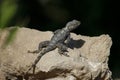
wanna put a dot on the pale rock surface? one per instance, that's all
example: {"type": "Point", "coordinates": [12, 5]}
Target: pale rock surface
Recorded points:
{"type": "Point", "coordinates": [88, 57]}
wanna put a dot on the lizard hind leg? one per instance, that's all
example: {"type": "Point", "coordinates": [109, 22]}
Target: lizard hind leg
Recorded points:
{"type": "Point", "coordinates": [62, 49]}
{"type": "Point", "coordinates": [40, 47]}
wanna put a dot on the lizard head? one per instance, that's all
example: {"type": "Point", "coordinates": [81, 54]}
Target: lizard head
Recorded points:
{"type": "Point", "coordinates": [72, 25]}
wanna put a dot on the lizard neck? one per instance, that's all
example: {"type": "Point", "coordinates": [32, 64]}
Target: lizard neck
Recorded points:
{"type": "Point", "coordinates": [66, 29]}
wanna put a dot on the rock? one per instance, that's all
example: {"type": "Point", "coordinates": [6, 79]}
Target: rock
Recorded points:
{"type": "Point", "coordinates": [88, 57]}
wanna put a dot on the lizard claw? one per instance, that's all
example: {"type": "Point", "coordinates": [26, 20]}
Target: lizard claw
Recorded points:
{"type": "Point", "coordinates": [34, 52]}
{"type": "Point", "coordinates": [64, 53]}
{"type": "Point", "coordinates": [29, 51]}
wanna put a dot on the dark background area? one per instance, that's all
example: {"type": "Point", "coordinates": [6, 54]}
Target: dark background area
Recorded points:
{"type": "Point", "coordinates": [97, 17]}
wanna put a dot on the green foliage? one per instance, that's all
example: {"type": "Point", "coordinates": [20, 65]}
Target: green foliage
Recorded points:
{"type": "Point", "coordinates": [8, 10]}
{"type": "Point", "coordinates": [11, 36]}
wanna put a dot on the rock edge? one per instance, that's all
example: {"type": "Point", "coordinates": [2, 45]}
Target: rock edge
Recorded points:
{"type": "Point", "coordinates": [88, 57]}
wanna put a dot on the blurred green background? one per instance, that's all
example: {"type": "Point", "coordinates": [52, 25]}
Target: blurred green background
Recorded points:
{"type": "Point", "coordinates": [97, 17]}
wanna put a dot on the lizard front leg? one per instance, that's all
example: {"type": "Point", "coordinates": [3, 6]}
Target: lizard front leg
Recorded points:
{"type": "Point", "coordinates": [62, 49]}
{"type": "Point", "coordinates": [68, 39]}
{"type": "Point", "coordinates": [41, 45]}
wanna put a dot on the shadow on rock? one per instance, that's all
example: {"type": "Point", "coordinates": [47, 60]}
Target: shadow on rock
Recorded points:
{"type": "Point", "coordinates": [76, 43]}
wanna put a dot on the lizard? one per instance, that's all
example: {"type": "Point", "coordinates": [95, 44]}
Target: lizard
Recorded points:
{"type": "Point", "coordinates": [58, 40]}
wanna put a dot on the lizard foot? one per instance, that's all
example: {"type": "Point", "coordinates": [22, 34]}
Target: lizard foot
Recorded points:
{"type": "Point", "coordinates": [63, 53]}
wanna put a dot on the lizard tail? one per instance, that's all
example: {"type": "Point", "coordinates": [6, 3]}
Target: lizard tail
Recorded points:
{"type": "Point", "coordinates": [44, 51]}
{"type": "Point", "coordinates": [35, 62]}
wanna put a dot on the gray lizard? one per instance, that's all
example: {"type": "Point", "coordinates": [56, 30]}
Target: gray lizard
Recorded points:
{"type": "Point", "coordinates": [60, 37]}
